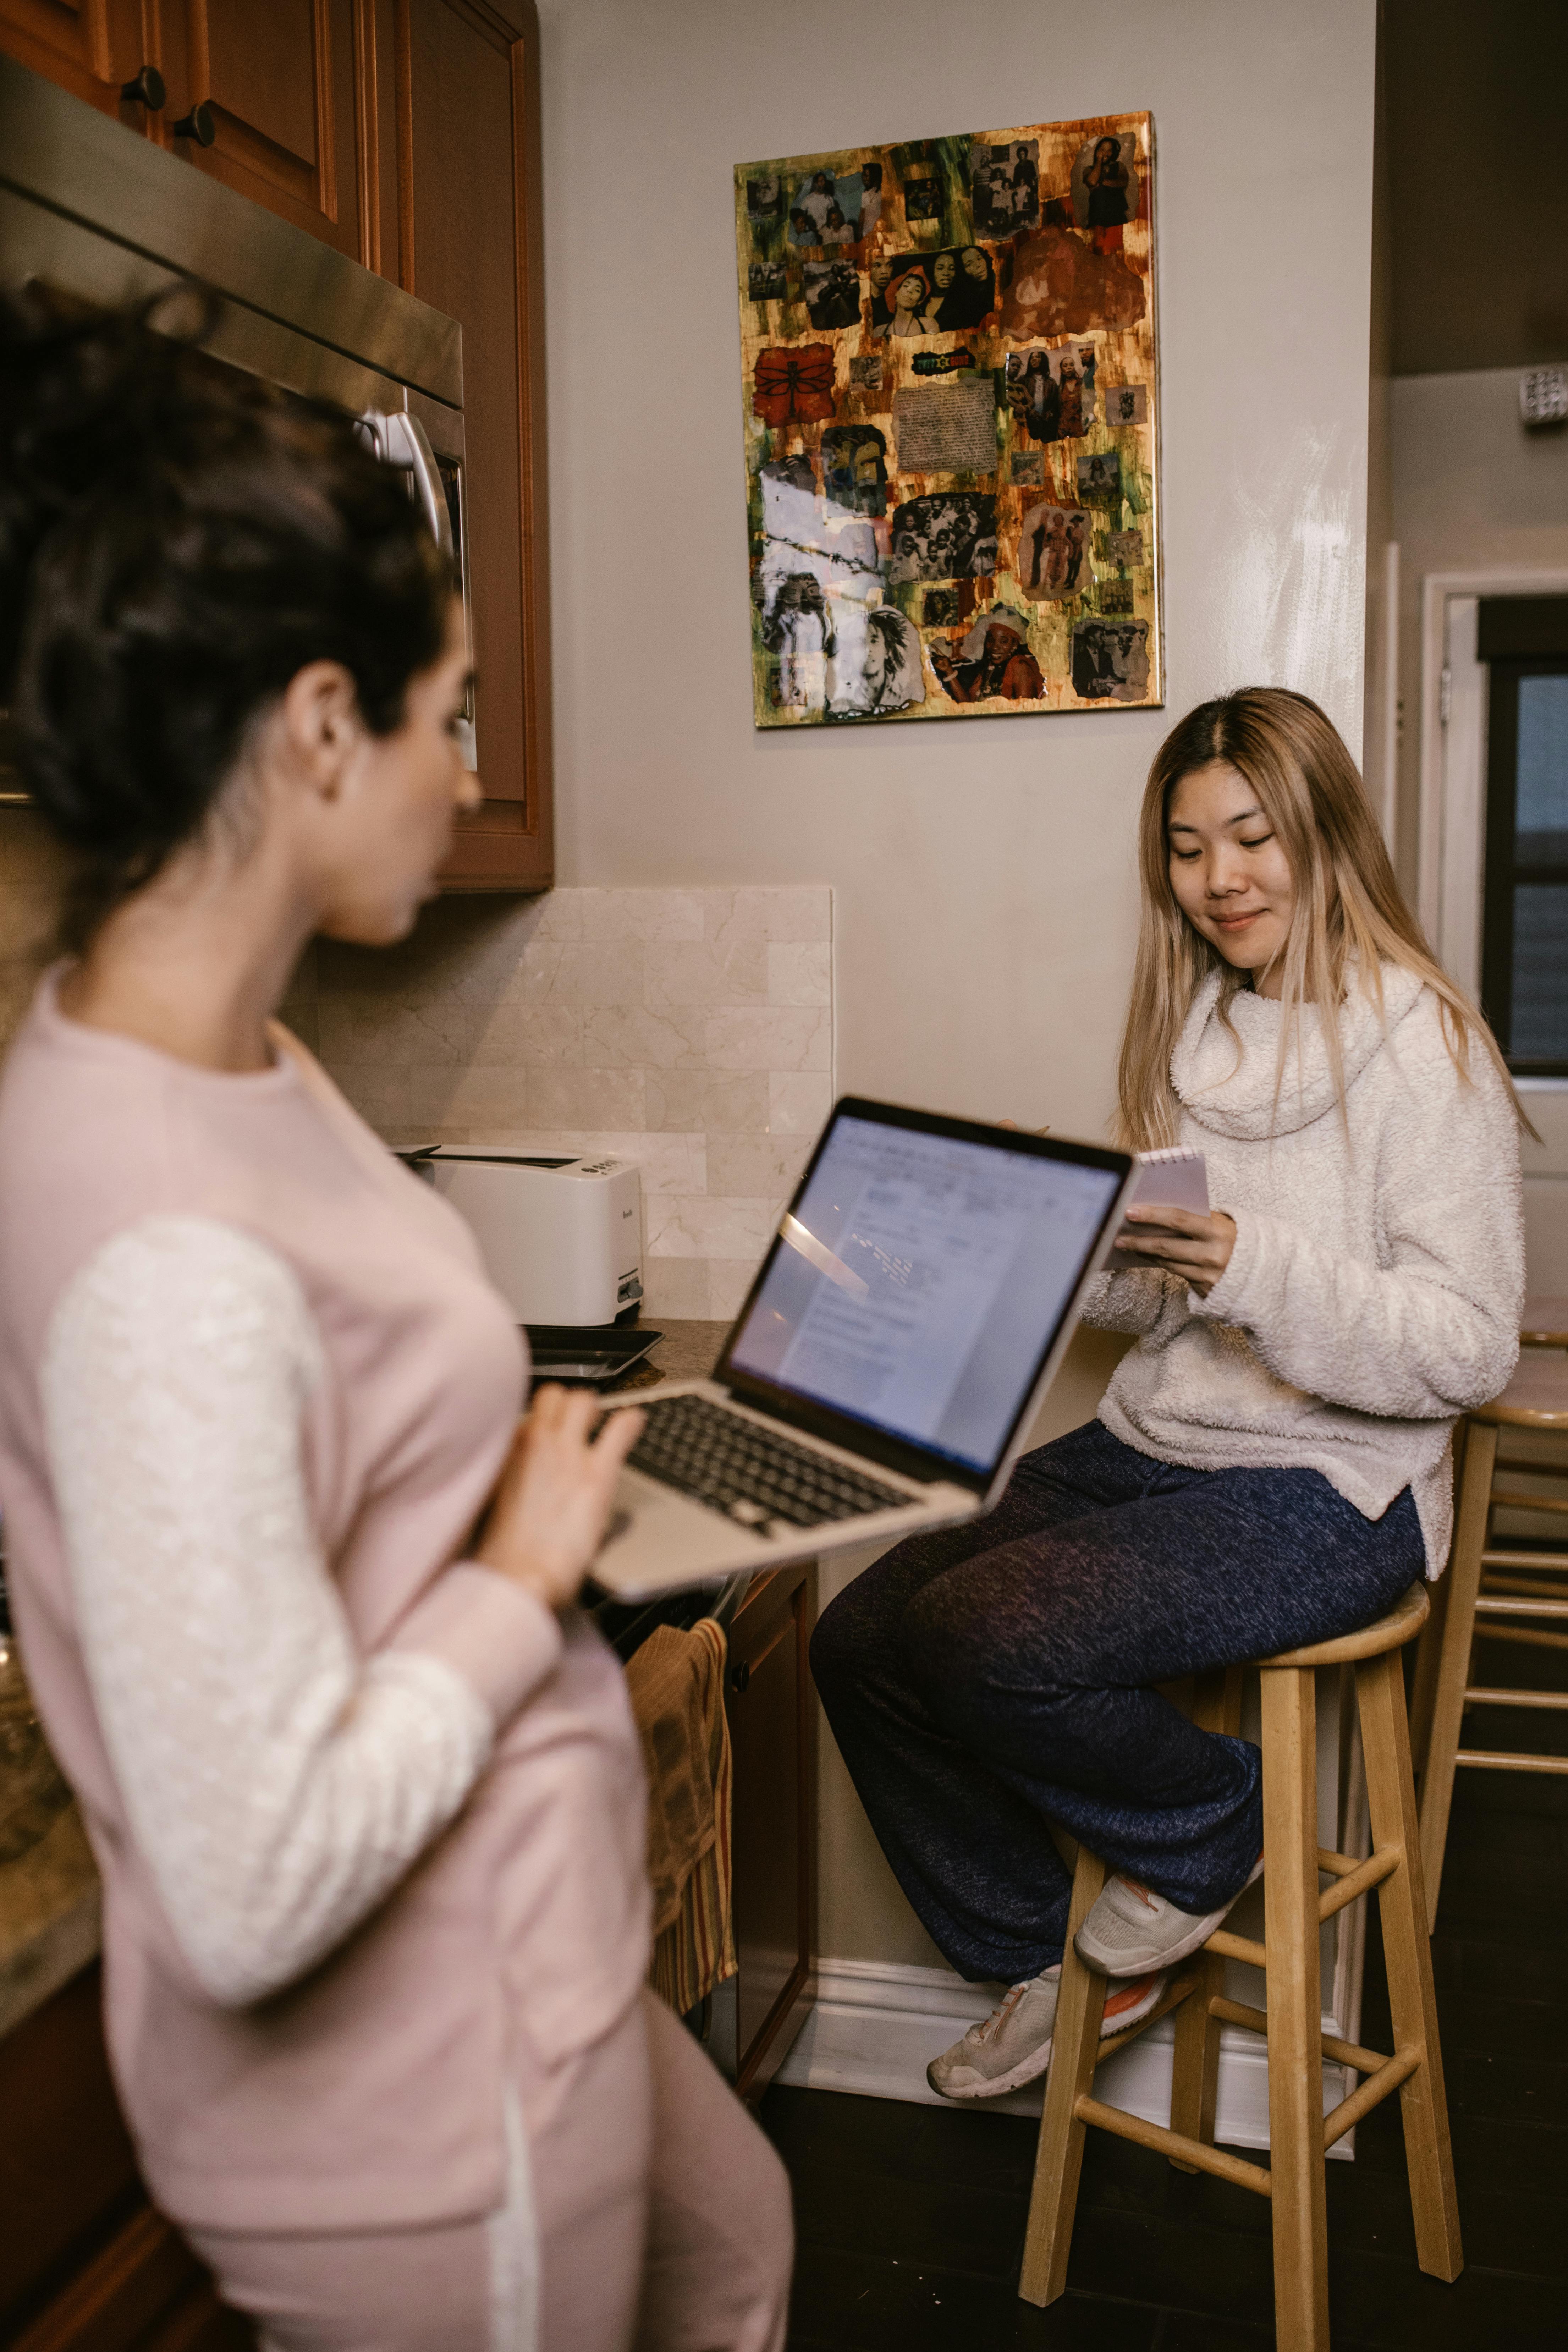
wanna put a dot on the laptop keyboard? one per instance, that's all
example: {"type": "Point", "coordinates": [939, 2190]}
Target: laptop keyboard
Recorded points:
{"type": "Point", "coordinates": [751, 1477]}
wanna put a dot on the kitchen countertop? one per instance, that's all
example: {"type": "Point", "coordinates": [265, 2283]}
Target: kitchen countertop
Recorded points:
{"type": "Point", "coordinates": [688, 1351]}
{"type": "Point", "coordinates": [49, 1898]}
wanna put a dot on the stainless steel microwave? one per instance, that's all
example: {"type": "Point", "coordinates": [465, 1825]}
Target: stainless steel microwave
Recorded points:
{"type": "Point", "coordinates": [89, 207]}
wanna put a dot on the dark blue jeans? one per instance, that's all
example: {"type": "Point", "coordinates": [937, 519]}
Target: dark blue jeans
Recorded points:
{"type": "Point", "coordinates": [982, 1679]}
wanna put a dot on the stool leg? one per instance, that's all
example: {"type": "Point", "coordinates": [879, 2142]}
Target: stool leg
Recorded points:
{"type": "Point", "coordinates": [1428, 1657]}
{"type": "Point", "coordinates": [1195, 2069]}
{"type": "Point", "coordinates": [1463, 1579]}
{"type": "Point", "coordinates": [1407, 1950]}
{"type": "Point", "coordinates": [1080, 2007]}
{"type": "Point", "coordinates": [1295, 2010]}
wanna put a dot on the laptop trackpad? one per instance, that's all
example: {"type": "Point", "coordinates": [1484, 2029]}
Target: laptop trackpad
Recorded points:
{"type": "Point", "coordinates": [658, 1541]}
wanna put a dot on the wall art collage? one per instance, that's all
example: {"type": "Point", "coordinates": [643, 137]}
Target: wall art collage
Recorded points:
{"type": "Point", "coordinates": [949, 379]}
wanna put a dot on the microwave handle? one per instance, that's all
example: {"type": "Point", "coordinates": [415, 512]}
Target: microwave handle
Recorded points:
{"type": "Point", "coordinates": [399, 439]}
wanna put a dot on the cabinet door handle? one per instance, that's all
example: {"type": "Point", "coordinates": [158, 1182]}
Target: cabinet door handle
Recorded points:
{"type": "Point", "coordinates": [197, 125]}
{"type": "Point", "coordinates": [147, 90]}
{"type": "Point", "coordinates": [739, 1675]}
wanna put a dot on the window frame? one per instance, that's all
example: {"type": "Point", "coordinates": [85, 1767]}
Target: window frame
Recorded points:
{"type": "Point", "coordinates": [1517, 638]}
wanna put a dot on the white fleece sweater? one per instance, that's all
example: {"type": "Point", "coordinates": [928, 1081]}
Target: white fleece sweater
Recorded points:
{"type": "Point", "coordinates": [1374, 1290]}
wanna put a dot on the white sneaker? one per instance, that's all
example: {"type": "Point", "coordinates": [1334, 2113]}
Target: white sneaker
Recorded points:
{"type": "Point", "coordinates": [1129, 1928]}
{"type": "Point", "coordinates": [1013, 2044]}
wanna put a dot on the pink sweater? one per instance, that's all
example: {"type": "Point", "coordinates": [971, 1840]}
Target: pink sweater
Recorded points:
{"type": "Point", "coordinates": [366, 2091]}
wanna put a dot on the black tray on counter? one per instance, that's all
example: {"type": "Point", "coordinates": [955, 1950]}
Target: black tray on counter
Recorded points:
{"type": "Point", "coordinates": [587, 1355]}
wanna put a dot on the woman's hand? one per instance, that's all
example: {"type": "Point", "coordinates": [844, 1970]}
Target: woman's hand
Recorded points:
{"type": "Point", "coordinates": [1018, 1130]}
{"type": "Point", "coordinates": [1197, 1249]}
{"type": "Point", "coordinates": [552, 1501]}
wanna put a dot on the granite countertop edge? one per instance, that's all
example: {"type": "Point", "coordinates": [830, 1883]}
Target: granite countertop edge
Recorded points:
{"type": "Point", "coordinates": [49, 1922]}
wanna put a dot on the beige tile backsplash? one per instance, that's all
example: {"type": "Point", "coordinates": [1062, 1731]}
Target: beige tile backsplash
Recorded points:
{"type": "Point", "coordinates": [688, 1030]}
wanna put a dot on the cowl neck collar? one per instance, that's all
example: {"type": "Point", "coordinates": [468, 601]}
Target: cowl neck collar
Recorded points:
{"type": "Point", "coordinates": [1231, 1091]}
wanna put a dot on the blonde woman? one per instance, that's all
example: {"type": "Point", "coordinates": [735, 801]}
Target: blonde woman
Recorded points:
{"type": "Point", "coordinates": [1270, 1464]}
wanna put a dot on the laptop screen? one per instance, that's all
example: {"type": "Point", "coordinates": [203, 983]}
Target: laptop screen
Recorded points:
{"type": "Point", "coordinates": [920, 1279]}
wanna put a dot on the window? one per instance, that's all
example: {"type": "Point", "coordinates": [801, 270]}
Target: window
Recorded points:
{"type": "Point", "coordinates": [1524, 941]}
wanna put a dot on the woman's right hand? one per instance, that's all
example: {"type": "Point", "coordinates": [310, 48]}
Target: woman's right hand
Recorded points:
{"type": "Point", "coordinates": [551, 1502]}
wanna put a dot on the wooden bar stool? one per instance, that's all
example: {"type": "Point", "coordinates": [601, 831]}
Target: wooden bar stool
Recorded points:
{"type": "Point", "coordinates": [1299, 2133]}
{"type": "Point", "coordinates": [1544, 1323]}
{"type": "Point", "coordinates": [1517, 1594]}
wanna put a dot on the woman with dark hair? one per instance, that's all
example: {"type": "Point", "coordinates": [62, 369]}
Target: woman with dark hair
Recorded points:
{"type": "Point", "coordinates": [906, 297]}
{"type": "Point", "coordinates": [944, 272]}
{"type": "Point", "coordinates": [297, 1594]}
{"type": "Point", "coordinates": [880, 275]}
{"type": "Point", "coordinates": [973, 289]}
{"type": "Point", "coordinates": [1271, 1464]}
{"type": "Point", "coordinates": [1107, 182]}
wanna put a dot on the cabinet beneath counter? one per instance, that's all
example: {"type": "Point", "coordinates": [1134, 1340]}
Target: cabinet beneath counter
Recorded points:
{"type": "Point", "coordinates": [771, 1707]}
{"type": "Point", "coordinates": [87, 2265]}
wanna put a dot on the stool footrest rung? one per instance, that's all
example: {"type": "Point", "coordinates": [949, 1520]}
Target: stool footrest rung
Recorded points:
{"type": "Point", "coordinates": [1345, 2053]}
{"type": "Point", "coordinates": [1494, 1759]}
{"type": "Point", "coordinates": [1530, 1634]}
{"type": "Point", "coordinates": [1551, 1587]}
{"type": "Point", "coordinates": [1236, 1948]}
{"type": "Point", "coordinates": [1357, 1882]}
{"type": "Point", "coordinates": [1371, 2094]}
{"type": "Point", "coordinates": [1169, 2143]}
{"type": "Point", "coordinates": [1513, 1499]}
{"type": "Point", "coordinates": [1495, 1558]}
{"type": "Point", "coordinates": [1478, 1695]}
{"type": "Point", "coordinates": [1494, 1604]}
{"type": "Point", "coordinates": [1175, 1992]}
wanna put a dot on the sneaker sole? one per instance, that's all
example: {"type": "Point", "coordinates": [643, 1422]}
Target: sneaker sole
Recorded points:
{"type": "Point", "coordinates": [1029, 2069]}
{"type": "Point", "coordinates": [1120, 1964]}
{"type": "Point", "coordinates": [1025, 2072]}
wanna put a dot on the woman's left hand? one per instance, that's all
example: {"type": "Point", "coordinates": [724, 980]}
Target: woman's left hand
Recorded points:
{"type": "Point", "coordinates": [1195, 1249]}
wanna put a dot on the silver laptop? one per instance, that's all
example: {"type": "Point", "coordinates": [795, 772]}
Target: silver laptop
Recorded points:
{"type": "Point", "coordinates": [884, 1370]}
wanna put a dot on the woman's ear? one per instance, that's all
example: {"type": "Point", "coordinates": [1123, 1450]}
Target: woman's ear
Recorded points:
{"type": "Point", "coordinates": [320, 724]}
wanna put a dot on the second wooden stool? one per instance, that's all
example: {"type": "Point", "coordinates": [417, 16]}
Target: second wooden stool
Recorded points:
{"type": "Point", "coordinates": [1519, 1592]}
{"type": "Point", "coordinates": [1299, 2134]}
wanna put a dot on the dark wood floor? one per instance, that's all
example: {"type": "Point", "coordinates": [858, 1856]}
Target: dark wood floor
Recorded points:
{"type": "Point", "coordinates": [910, 2220]}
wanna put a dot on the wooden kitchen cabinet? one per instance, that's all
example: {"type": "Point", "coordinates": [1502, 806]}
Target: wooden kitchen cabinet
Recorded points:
{"type": "Point", "coordinates": [86, 2264]}
{"type": "Point", "coordinates": [467, 158]}
{"type": "Point", "coordinates": [90, 48]}
{"type": "Point", "coordinates": [404, 133]}
{"type": "Point", "coordinates": [288, 93]}
{"type": "Point", "coordinates": [283, 87]}
{"type": "Point", "coordinates": [772, 1709]}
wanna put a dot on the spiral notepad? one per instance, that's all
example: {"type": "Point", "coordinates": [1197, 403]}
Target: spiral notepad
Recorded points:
{"type": "Point", "coordinates": [1177, 1178]}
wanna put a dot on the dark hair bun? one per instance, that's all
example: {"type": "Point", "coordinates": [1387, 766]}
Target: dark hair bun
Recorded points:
{"type": "Point", "coordinates": [177, 541]}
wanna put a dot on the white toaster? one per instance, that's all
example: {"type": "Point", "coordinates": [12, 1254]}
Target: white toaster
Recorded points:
{"type": "Point", "coordinates": [561, 1238]}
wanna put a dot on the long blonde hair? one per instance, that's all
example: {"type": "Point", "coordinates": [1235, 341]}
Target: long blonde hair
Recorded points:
{"type": "Point", "coordinates": [1348, 908]}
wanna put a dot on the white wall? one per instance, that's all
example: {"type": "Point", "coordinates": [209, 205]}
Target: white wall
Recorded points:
{"type": "Point", "coordinates": [985, 907]}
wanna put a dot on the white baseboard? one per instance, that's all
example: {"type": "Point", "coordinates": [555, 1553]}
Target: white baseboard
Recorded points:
{"type": "Point", "coordinates": [877, 2024]}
